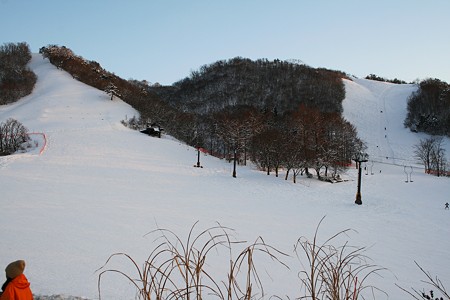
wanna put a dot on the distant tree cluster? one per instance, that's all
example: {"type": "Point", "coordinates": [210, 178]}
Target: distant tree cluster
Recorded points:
{"type": "Point", "coordinates": [306, 138]}
{"type": "Point", "coordinates": [16, 79]}
{"type": "Point", "coordinates": [429, 108]}
{"type": "Point", "coordinates": [278, 114]}
{"type": "Point", "coordinates": [277, 85]}
{"type": "Point", "coordinates": [296, 141]}
{"type": "Point", "coordinates": [12, 135]}
{"type": "Point", "coordinates": [378, 78]}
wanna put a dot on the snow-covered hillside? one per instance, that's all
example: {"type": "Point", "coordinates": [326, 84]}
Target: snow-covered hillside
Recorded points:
{"type": "Point", "coordinates": [378, 110]}
{"type": "Point", "coordinates": [98, 188]}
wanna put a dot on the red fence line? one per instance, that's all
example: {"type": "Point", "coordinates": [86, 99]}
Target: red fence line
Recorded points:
{"type": "Point", "coordinates": [434, 172]}
{"type": "Point", "coordinates": [45, 140]}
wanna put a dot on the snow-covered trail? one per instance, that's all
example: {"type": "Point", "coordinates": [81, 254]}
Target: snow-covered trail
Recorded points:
{"type": "Point", "coordinates": [378, 110]}
{"type": "Point", "coordinates": [99, 187]}
{"type": "Point", "coordinates": [61, 103]}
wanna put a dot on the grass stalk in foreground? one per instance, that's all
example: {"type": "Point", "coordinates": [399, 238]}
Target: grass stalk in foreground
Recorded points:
{"type": "Point", "coordinates": [177, 269]}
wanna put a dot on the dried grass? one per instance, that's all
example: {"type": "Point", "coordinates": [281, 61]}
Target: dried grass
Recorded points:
{"type": "Point", "coordinates": [178, 269]}
{"type": "Point", "coordinates": [332, 272]}
{"type": "Point", "coordinates": [433, 283]}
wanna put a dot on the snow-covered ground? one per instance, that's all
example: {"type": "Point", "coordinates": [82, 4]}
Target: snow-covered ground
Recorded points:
{"type": "Point", "coordinates": [97, 188]}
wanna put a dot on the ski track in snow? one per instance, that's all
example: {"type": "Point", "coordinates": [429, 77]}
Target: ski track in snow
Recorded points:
{"type": "Point", "coordinates": [99, 187]}
{"type": "Point", "coordinates": [378, 110]}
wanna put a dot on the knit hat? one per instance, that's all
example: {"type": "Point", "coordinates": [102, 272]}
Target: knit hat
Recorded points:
{"type": "Point", "coordinates": [15, 268]}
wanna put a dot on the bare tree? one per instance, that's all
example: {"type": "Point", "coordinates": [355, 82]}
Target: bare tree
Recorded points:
{"type": "Point", "coordinates": [236, 127]}
{"type": "Point", "coordinates": [12, 135]}
{"type": "Point", "coordinates": [438, 160]}
{"type": "Point", "coordinates": [266, 149]}
{"type": "Point", "coordinates": [432, 154]}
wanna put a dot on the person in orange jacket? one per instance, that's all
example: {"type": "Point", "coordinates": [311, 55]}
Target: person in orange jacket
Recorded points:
{"type": "Point", "coordinates": [16, 286]}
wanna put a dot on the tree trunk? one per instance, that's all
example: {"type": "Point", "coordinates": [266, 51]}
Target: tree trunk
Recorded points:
{"type": "Point", "coordinates": [245, 156]}
{"type": "Point", "coordinates": [234, 163]}
{"type": "Point", "coordinates": [318, 172]}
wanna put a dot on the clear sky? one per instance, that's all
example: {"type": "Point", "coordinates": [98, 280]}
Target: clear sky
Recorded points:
{"type": "Point", "coordinates": [164, 40]}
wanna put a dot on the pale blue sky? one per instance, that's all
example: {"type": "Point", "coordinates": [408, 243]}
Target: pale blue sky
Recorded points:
{"type": "Point", "coordinates": [162, 41]}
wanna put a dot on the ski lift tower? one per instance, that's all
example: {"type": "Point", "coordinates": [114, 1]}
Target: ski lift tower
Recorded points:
{"type": "Point", "coordinates": [359, 158]}
{"type": "Point", "coordinates": [198, 146]}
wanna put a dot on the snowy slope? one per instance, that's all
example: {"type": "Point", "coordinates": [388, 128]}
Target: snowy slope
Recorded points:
{"type": "Point", "coordinates": [378, 110]}
{"type": "Point", "coordinates": [98, 188]}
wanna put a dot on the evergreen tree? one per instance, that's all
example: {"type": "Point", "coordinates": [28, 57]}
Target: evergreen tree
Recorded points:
{"type": "Point", "coordinates": [112, 90]}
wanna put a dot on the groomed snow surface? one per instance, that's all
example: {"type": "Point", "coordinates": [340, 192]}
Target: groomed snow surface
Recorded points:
{"type": "Point", "coordinates": [98, 188]}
